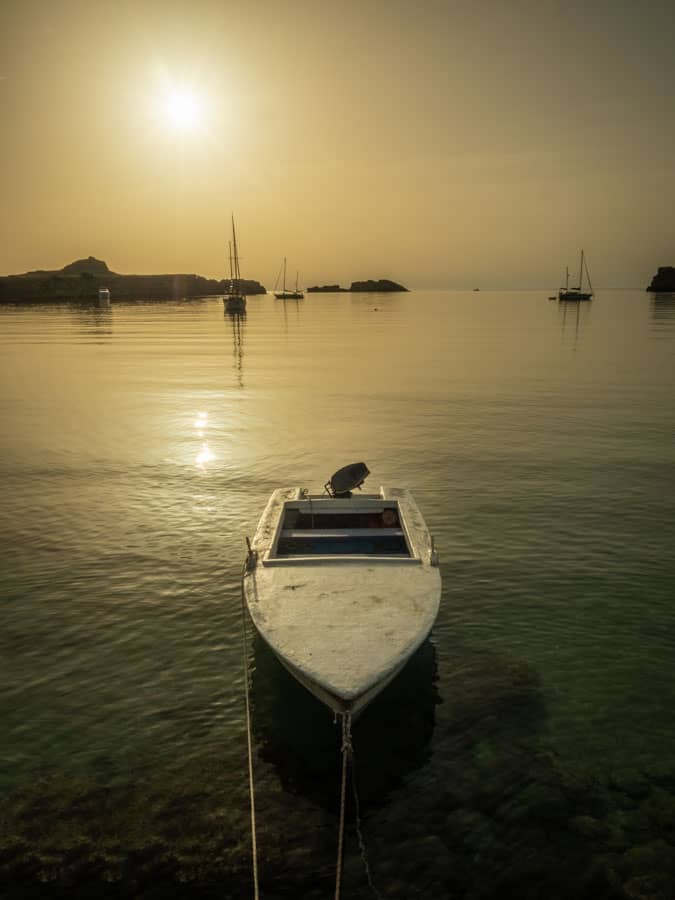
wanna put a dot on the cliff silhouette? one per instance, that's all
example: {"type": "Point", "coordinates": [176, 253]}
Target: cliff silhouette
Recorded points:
{"type": "Point", "coordinates": [80, 281]}
{"type": "Point", "coordinates": [663, 281]}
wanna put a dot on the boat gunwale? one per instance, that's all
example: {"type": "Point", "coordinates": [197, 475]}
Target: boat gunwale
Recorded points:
{"type": "Point", "coordinates": [335, 559]}
{"type": "Point", "coordinates": [418, 538]}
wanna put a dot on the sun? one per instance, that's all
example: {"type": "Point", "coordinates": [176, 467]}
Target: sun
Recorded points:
{"type": "Point", "coordinates": [182, 110]}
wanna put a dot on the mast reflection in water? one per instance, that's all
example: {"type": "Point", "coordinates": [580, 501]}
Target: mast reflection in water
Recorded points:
{"type": "Point", "coordinates": [238, 322]}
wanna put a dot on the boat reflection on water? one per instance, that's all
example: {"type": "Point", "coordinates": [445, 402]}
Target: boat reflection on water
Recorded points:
{"type": "Point", "coordinates": [299, 737]}
{"type": "Point", "coordinates": [238, 322]}
{"type": "Point", "coordinates": [573, 315]}
{"type": "Point", "coordinates": [93, 322]}
{"type": "Point", "coordinates": [292, 302]}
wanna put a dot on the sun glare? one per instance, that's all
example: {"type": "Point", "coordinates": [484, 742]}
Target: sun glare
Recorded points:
{"type": "Point", "coordinates": [183, 110]}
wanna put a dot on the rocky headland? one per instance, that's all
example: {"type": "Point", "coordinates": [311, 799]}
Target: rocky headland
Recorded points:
{"type": "Point", "coordinates": [663, 281]}
{"type": "Point", "coordinates": [80, 281]}
{"type": "Point", "coordinates": [382, 285]}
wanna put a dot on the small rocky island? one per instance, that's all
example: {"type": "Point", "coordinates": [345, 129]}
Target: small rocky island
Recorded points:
{"type": "Point", "coordinates": [80, 281]}
{"type": "Point", "coordinates": [382, 285]}
{"type": "Point", "coordinates": [663, 281]}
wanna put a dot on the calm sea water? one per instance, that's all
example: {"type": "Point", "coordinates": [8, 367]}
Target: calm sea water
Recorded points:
{"type": "Point", "coordinates": [139, 445]}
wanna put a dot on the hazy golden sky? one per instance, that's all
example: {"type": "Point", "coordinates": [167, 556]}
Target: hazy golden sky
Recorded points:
{"type": "Point", "coordinates": [453, 144]}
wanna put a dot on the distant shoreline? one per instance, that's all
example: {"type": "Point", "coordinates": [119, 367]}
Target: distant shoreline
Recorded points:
{"type": "Point", "coordinates": [84, 288]}
{"type": "Point", "coordinates": [80, 282]}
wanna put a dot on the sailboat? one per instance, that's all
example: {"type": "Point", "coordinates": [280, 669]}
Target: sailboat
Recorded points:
{"type": "Point", "coordinates": [234, 300]}
{"type": "Point", "coordinates": [577, 293]}
{"type": "Point", "coordinates": [289, 295]}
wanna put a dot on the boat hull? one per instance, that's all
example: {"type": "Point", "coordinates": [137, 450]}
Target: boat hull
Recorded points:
{"type": "Point", "coordinates": [234, 303]}
{"type": "Point", "coordinates": [344, 626]}
{"type": "Point", "coordinates": [574, 295]}
{"type": "Point", "coordinates": [339, 705]}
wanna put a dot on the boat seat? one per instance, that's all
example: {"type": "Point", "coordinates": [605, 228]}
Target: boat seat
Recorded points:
{"type": "Point", "coordinates": [291, 533]}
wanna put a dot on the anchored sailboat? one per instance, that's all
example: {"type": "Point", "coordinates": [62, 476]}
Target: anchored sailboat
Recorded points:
{"type": "Point", "coordinates": [577, 293]}
{"type": "Point", "coordinates": [235, 300]}
{"type": "Point", "coordinates": [289, 295]}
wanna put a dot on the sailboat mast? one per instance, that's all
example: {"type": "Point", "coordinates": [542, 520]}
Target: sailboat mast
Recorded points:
{"type": "Point", "coordinates": [236, 254]}
{"type": "Point", "coordinates": [284, 287]}
{"type": "Point", "coordinates": [567, 278]}
{"type": "Point", "coordinates": [581, 268]}
{"type": "Point", "coordinates": [296, 281]}
{"type": "Point", "coordinates": [229, 247]}
{"type": "Point", "coordinates": [590, 286]}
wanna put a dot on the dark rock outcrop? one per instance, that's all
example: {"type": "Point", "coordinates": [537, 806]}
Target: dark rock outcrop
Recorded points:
{"type": "Point", "coordinates": [80, 281]}
{"type": "Point", "coordinates": [382, 285]}
{"type": "Point", "coordinates": [326, 289]}
{"type": "Point", "coordinates": [242, 286]}
{"type": "Point", "coordinates": [664, 280]}
{"type": "Point", "coordinates": [88, 266]}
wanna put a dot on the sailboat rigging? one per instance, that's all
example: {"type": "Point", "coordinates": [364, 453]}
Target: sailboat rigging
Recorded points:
{"type": "Point", "coordinates": [289, 295]}
{"type": "Point", "coordinates": [235, 299]}
{"type": "Point", "coordinates": [578, 292]}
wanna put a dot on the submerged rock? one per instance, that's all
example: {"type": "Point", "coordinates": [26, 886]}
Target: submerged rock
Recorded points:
{"type": "Point", "coordinates": [461, 799]}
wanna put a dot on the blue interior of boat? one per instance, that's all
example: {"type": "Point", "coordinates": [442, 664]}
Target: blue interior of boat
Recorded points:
{"type": "Point", "coordinates": [387, 518]}
{"type": "Point", "coordinates": [347, 544]}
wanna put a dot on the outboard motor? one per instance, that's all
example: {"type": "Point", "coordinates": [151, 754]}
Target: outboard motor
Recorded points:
{"type": "Point", "coordinates": [347, 479]}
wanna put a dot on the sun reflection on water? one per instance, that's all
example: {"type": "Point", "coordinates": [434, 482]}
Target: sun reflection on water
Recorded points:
{"type": "Point", "coordinates": [205, 455]}
{"type": "Point", "coordinates": [201, 423]}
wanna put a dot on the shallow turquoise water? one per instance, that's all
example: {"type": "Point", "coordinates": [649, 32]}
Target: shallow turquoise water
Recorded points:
{"type": "Point", "coordinates": [140, 444]}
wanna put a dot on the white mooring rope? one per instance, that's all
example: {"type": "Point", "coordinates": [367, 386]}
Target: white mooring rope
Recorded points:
{"type": "Point", "coordinates": [248, 729]}
{"type": "Point", "coordinates": [346, 753]}
{"type": "Point", "coordinates": [348, 756]}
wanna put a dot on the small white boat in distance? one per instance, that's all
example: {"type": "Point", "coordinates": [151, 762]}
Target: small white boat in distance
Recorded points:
{"type": "Point", "coordinates": [343, 587]}
{"type": "Point", "coordinates": [104, 295]}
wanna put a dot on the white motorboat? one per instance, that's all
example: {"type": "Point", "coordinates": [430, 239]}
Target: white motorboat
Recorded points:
{"type": "Point", "coordinates": [104, 295]}
{"type": "Point", "coordinates": [343, 587]}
